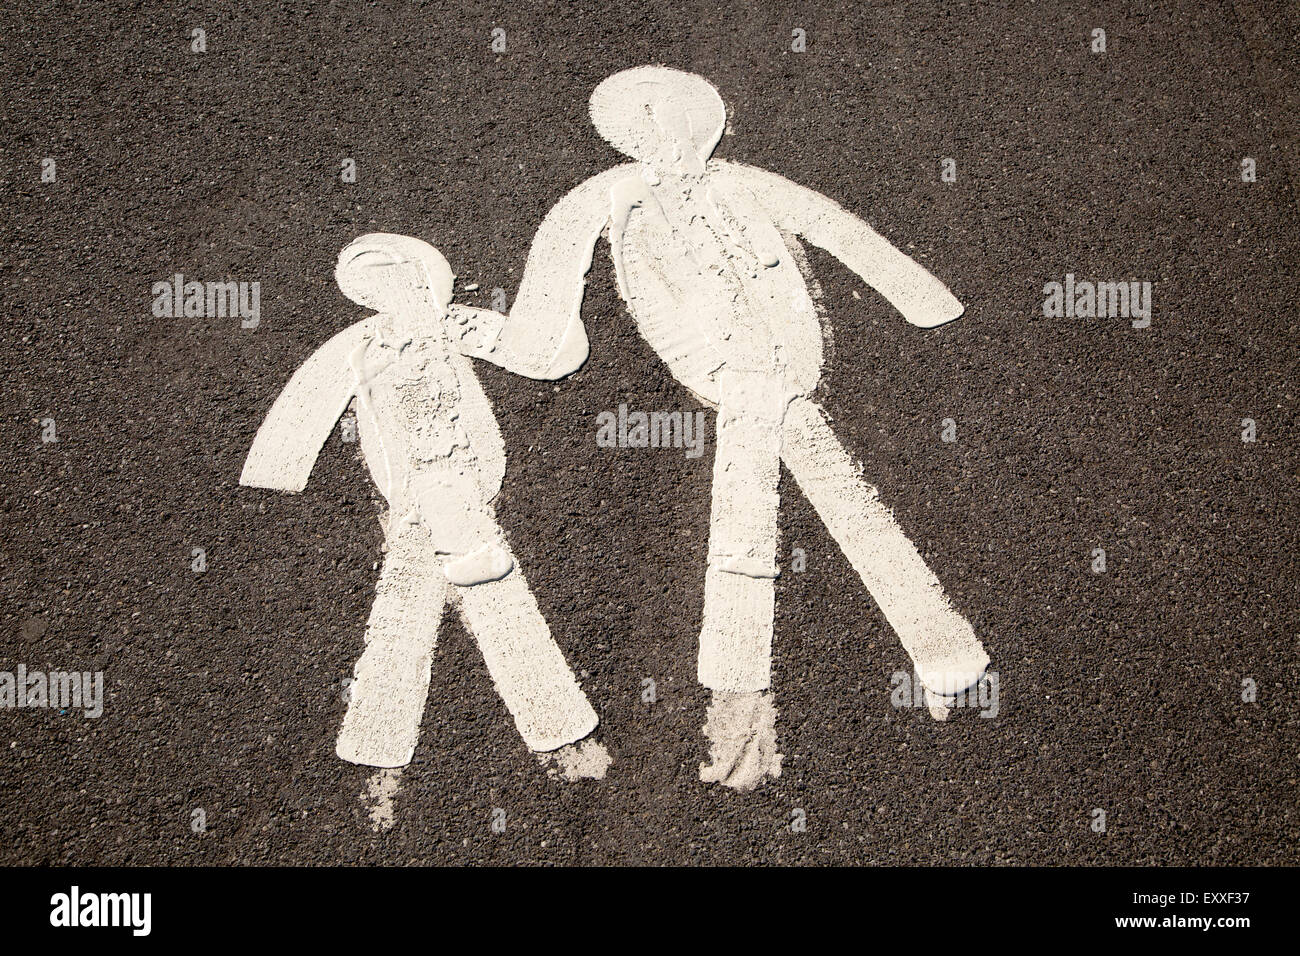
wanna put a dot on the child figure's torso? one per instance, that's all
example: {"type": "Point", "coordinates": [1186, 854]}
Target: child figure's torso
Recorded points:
{"type": "Point", "coordinates": [425, 425]}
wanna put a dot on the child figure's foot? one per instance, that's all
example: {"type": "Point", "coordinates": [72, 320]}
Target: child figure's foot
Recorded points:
{"type": "Point", "coordinates": [938, 705]}
{"type": "Point", "coordinates": [586, 758]}
{"type": "Point", "coordinates": [742, 740]}
{"type": "Point", "coordinates": [377, 798]}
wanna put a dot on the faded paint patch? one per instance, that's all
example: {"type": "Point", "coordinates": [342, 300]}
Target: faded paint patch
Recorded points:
{"type": "Point", "coordinates": [585, 759]}
{"type": "Point", "coordinates": [742, 740]}
{"type": "Point", "coordinates": [378, 796]}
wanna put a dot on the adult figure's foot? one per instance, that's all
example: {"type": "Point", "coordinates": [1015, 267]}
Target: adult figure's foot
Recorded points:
{"type": "Point", "coordinates": [742, 740]}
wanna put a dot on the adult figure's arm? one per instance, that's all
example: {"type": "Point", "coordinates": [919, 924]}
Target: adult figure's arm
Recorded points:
{"type": "Point", "coordinates": [910, 288]}
{"type": "Point", "coordinates": [303, 415]}
{"type": "Point", "coordinates": [543, 336]}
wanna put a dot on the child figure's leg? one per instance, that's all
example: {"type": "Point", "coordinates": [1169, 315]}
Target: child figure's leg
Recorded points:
{"type": "Point", "coordinates": [941, 643]}
{"type": "Point", "coordinates": [392, 677]}
{"type": "Point", "coordinates": [739, 594]}
{"type": "Point", "coordinates": [527, 667]}
{"type": "Point", "coordinates": [501, 614]}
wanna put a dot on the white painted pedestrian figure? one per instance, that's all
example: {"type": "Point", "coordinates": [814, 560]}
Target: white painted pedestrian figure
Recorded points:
{"type": "Point", "coordinates": [431, 443]}
{"type": "Point", "coordinates": [707, 259]}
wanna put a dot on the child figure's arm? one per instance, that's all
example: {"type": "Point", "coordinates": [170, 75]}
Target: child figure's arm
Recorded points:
{"type": "Point", "coordinates": [303, 415]}
{"type": "Point", "coordinates": [910, 288]}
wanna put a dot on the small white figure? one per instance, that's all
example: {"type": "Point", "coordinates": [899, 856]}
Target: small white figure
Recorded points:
{"type": "Point", "coordinates": [707, 259]}
{"type": "Point", "coordinates": [431, 443]}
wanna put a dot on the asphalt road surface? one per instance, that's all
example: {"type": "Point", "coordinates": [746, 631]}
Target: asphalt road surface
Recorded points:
{"type": "Point", "coordinates": [1160, 691]}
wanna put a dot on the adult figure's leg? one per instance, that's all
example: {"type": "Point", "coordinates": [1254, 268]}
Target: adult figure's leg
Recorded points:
{"type": "Point", "coordinates": [739, 595]}
{"type": "Point", "coordinates": [947, 655]}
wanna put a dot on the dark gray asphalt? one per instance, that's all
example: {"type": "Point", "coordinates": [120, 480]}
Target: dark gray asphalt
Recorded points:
{"type": "Point", "coordinates": [1119, 691]}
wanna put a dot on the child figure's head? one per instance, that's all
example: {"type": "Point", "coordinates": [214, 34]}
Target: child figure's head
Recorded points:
{"type": "Point", "coordinates": [386, 273]}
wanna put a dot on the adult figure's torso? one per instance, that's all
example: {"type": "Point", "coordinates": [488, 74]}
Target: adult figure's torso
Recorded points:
{"type": "Point", "coordinates": [711, 281]}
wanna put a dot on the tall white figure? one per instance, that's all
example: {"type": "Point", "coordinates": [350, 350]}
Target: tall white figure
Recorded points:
{"type": "Point", "coordinates": [431, 443]}
{"type": "Point", "coordinates": [707, 259]}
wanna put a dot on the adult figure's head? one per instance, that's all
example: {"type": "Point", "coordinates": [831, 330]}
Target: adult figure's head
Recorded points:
{"type": "Point", "coordinates": [665, 118]}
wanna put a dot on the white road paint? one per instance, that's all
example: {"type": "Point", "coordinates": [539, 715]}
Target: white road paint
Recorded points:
{"type": "Point", "coordinates": [378, 796]}
{"type": "Point", "coordinates": [432, 445]}
{"type": "Point", "coordinates": [391, 679]}
{"type": "Point", "coordinates": [527, 668]}
{"type": "Point", "coordinates": [940, 707]}
{"type": "Point", "coordinates": [544, 336]}
{"type": "Point", "coordinates": [948, 656]}
{"type": "Point", "coordinates": [707, 256]}
{"type": "Point", "coordinates": [587, 758]}
{"type": "Point", "coordinates": [742, 740]}
{"type": "Point", "coordinates": [707, 259]}
{"type": "Point", "coordinates": [488, 563]}
{"type": "Point", "coordinates": [739, 585]}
